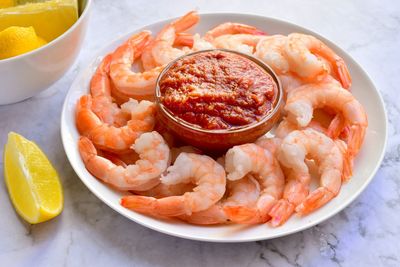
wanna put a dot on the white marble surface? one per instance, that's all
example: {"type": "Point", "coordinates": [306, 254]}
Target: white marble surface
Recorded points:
{"type": "Point", "coordinates": [367, 233]}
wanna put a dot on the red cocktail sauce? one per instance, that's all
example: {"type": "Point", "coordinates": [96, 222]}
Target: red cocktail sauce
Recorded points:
{"type": "Point", "coordinates": [218, 90]}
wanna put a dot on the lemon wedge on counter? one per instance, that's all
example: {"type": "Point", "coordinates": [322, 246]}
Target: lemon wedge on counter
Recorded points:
{"type": "Point", "coordinates": [49, 18]}
{"type": "Point", "coordinates": [33, 184]}
{"type": "Point", "coordinates": [15, 41]}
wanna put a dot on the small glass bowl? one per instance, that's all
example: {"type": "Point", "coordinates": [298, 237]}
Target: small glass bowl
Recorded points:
{"type": "Point", "coordinates": [221, 139]}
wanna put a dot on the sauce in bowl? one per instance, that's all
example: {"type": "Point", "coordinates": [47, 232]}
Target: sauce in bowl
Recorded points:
{"type": "Point", "coordinates": [215, 99]}
{"type": "Point", "coordinates": [217, 90]}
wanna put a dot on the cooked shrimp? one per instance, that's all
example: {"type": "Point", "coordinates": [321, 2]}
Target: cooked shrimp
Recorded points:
{"type": "Point", "coordinates": [271, 50]}
{"type": "Point", "coordinates": [162, 51]}
{"type": "Point", "coordinates": [100, 89]}
{"type": "Point", "coordinates": [208, 176]}
{"type": "Point", "coordinates": [245, 43]}
{"type": "Point", "coordinates": [251, 158]}
{"type": "Point", "coordinates": [336, 127]}
{"type": "Point", "coordinates": [125, 80]}
{"type": "Point", "coordinates": [231, 28]}
{"type": "Point", "coordinates": [278, 52]}
{"type": "Point", "coordinates": [143, 175]}
{"type": "Point", "coordinates": [302, 102]}
{"type": "Point", "coordinates": [309, 57]}
{"type": "Point", "coordinates": [243, 192]}
{"type": "Point", "coordinates": [109, 137]}
{"type": "Point", "coordinates": [292, 154]}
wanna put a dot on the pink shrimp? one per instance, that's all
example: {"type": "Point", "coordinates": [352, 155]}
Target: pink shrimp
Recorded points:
{"type": "Point", "coordinates": [251, 158]}
{"type": "Point", "coordinates": [111, 138]}
{"type": "Point", "coordinates": [308, 58]}
{"type": "Point", "coordinates": [201, 170]}
{"type": "Point", "coordinates": [143, 175]}
{"type": "Point", "coordinates": [126, 81]}
{"type": "Point", "coordinates": [302, 102]}
{"type": "Point", "coordinates": [100, 89]}
{"type": "Point", "coordinates": [244, 192]}
{"type": "Point", "coordinates": [292, 154]}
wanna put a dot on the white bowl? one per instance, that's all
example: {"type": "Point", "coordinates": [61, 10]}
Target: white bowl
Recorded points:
{"type": "Point", "coordinates": [25, 75]}
{"type": "Point", "coordinates": [366, 163]}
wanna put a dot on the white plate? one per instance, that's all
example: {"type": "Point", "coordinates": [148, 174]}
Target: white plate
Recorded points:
{"type": "Point", "coordinates": [365, 167]}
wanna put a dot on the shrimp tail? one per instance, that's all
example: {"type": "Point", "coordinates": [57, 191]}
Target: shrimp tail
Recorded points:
{"type": "Point", "coordinates": [137, 42]}
{"type": "Point", "coordinates": [184, 39]}
{"type": "Point", "coordinates": [135, 205]}
{"type": "Point", "coordinates": [83, 117]}
{"type": "Point", "coordinates": [168, 206]}
{"type": "Point", "coordinates": [355, 139]}
{"type": "Point", "coordinates": [100, 78]}
{"type": "Point", "coordinates": [347, 161]}
{"type": "Point", "coordinates": [336, 126]}
{"type": "Point", "coordinates": [140, 204]}
{"type": "Point", "coordinates": [86, 149]}
{"type": "Point", "coordinates": [186, 22]}
{"type": "Point", "coordinates": [347, 168]}
{"type": "Point", "coordinates": [281, 212]}
{"type": "Point", "coordinates": [343, 74]}
{"type": "Point", "coordinates": [245, 215]}
{"type": "Point", "coordinates": [315, 200]}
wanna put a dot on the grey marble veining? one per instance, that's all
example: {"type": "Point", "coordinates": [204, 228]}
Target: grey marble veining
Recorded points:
{"type": "Point", "coordinates": [366, 233]}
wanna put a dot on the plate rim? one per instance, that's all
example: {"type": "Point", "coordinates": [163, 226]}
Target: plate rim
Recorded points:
{"type": "Point", "coordinates": [93, 60]}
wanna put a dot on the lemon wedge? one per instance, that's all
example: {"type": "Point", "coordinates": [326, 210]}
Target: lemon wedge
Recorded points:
{"type": "Point", "coordinates": [33, 184]}
{"type": "Point", "coordinates": [49, 18]}
{"type": "Point", "coordinates": [18, 40]}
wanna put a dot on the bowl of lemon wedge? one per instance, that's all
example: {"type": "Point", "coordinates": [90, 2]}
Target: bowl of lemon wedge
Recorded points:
{"type": "Point", "coordinates": [39, 41]}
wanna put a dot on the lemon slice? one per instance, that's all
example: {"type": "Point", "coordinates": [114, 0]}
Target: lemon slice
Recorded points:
{"type": "Point", "coordinates": [33, 184]}
{"type": "Point", "coordinates": [15, 41]}
{"type": "Point", "coordinates": [49, 18]}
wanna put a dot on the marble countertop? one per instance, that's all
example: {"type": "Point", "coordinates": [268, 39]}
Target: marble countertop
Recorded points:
{"type": "Point", "coordinates": [366, 233]}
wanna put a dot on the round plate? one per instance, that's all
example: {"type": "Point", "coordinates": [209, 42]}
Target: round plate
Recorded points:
{"type": "Point", "coordinates": [366, 163]}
